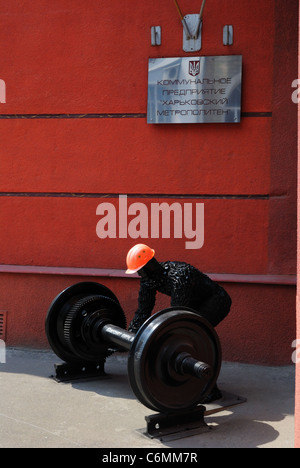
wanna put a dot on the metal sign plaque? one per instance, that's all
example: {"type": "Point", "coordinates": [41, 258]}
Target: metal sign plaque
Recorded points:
{"type": "Point", "coordinates": [195, 90]}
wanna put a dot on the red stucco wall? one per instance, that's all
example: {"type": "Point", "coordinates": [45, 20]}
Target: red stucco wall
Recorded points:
{"type": "Point", "coordinates": [297, 355]}
{"type": "Point", "coordinates": [74, 134]}
{"type": "Point", "coordinates": [297, 389]}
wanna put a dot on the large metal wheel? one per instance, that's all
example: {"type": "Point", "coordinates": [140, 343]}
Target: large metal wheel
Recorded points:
{"type": "Point", "coordinates": [73, 312]}
{"type": "Point", "coordinates": [152, 360]}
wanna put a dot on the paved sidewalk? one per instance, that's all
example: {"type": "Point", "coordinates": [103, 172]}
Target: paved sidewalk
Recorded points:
{"type": "Point", "coordinates": [36, 411]}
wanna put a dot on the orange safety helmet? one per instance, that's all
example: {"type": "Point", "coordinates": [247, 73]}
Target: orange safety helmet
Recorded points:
{"type": "Point", "coordinates": [137, 257]}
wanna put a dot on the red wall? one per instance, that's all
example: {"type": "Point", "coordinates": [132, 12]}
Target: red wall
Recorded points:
{"type": "Point", "coordinates": [297, 389]}
{"type": "Point", "coordinates": [74, 135]}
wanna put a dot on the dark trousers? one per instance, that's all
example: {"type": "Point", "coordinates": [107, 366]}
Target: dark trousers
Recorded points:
{"type": "Point", "coordinates": [215, 308]}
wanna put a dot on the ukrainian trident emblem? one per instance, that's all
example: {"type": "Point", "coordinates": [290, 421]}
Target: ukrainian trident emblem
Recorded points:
{"type": "Point", "coordinates": [194, 67]}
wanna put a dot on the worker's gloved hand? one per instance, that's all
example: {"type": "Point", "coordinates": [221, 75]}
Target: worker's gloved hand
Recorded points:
{"type": "Point", "coordinates": [136, 323]}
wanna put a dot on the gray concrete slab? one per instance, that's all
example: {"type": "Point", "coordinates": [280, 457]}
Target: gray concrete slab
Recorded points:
{"type": "Point", "coordinates": [38, 412]}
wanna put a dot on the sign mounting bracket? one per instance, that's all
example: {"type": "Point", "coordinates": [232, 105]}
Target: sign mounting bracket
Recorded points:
{"type": "Point", "coordinates": [194, 42]}
{"type": "Point", "coordinates": [192, 29]}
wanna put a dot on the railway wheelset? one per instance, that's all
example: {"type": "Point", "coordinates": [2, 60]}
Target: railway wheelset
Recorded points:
{"type": "Point", "coordinates": [174, 359]}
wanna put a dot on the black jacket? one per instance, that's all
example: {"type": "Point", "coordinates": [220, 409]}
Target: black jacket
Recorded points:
{"type": "Point", "coordinates": [186, 286]}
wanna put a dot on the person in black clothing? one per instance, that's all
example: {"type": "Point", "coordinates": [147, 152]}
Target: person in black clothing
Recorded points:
{"type": "Point", "coordinates": [185, 284]}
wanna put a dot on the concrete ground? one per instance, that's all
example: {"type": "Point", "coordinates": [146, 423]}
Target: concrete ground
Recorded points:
{"type": "Point", "coordinates": [38, 412]}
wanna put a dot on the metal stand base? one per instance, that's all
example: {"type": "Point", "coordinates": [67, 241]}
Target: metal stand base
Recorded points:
{"type": "Point", "coordinates": [227, 401]}
{"type": "Point", "coordinates": [66, 372]}
{"type": "Point", "coordinates": [167, 427]}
